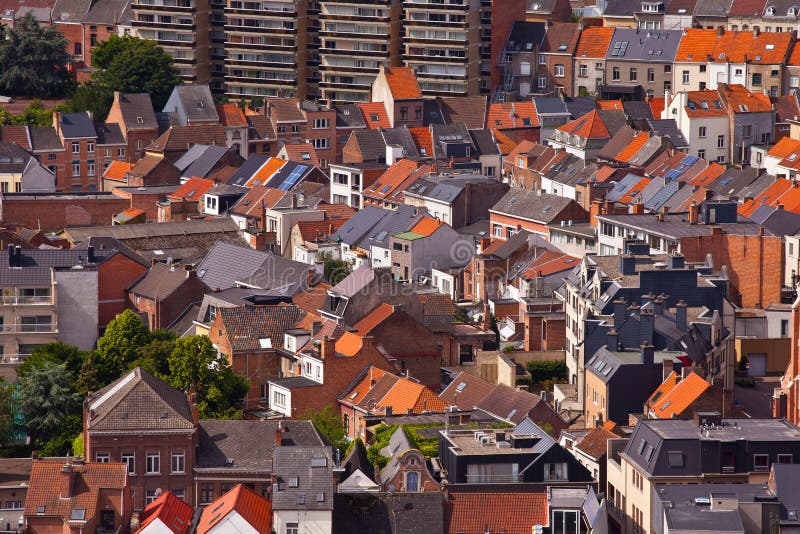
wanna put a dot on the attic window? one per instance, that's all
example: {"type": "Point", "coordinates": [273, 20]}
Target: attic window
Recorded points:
{"type": "Point", "coordinates": [301, 498]}
{"type": "Point", "coordinates": [498, 123]}
{"type": "Point", "coordinates": [40, 510]}
{"type": "Point", "coordinates": [742, 107]}
{"type": "Point", "coordinates": [319, 462]}
{"type": "Point", "coordinates": [200, 105]}
{"type": "Point", "coordinates": [321, 496]}
{"type": "Point", "coordinates": [140, 120]}
{"type": "Point", "coordinates": [758, 58]}
{"type": "Point", "coordinates": [353, 396]}
{"type": "Point", "coordinates": [536, 7]}
{"type": "Point", "coordinates": [294, 482]}
{"type": "Point", "coordinates": [305, 155]}
{"type": "Point", "coordinates": [675, 458]}
{"type": "Point", "coordinates": [374, 117]}
{"type": "Point", "coordinates": [461, 387]}
{"type": "Point", "coordinates": [527, 121]}
{"type": "Point", "coordinates": [769, 47]}
{"type": "Point", "coordinates": [562, 48]}
{"type": "Point", "coordinates": [78, 514]}
{"type": "Point", "coordinates": [642, 445]}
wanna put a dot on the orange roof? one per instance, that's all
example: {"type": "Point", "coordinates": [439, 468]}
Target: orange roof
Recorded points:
{"type": "Point", "coordinates": [402, 82]}
{"type": "Point", "coordinates": [794, 55]}
{"type": "Point", "coordinates": [704, 104]}
{"type": "Point", "coordinates": [696, 45]}
{"type": "Point", "coordinates": [513, 512]}
{"type": "Point", "coordinates": [656, 106]}
{"type": "Point", "coordinates": [768, 197]}
{"type": "Point", "coordinates": [680, 397]}
{"type": "Point", "coordinates": [634, 192]}
{"type": "Point", "coordinates": [708, 175]}
{"type": "Point", "coordinates": [427, 226]}
{"type": "Point", "coordinates": [589, 126]}
{"type": "Point", "coordinates": [117, 170]}
{"type": "Point", "coordinates": [784, 147]}
{"type": "Point", "coordinates": [738, 96]}
{"type": "Point", "coordinates": [193, 189]}
{"type": "Point", "coordinates": [392, 178]}
{"type": "Point", "coordinates": [374, 115]}
{"type": "Point", "coordinates": [267, 170]}
{"type": "Point", "coordinates": [132, 212]}
{"type": "Point", "coordinates": [508, 115]}
{"type": "Point", "coordinates": [175, 514]}
{"type": "Point", "coordinates": [698, 196]}
{"type": "Point", "coordinates": [790, 200]}
{"type": "Point", "coordinates": [301, 153]}
{"type": "Point", "coordinates": [408, 395]}
{"type": "Point", "coordinates": [422, 139]}
{"type": "Point", "coordinates": [318, 231]}
{"type": "Point", "coordinates": [373, 319]}
{"type": "Point", "coordinates": [253, 508]}
{"type": "Point", "coordinates": [604, 173]}
{"type": "Point", "coordinates": [231, 115]}
{"type": "Point", "coordinates": [357, 393]}
{"type": "Point", "coordinates": [504, 142]}
{"type": "Point", "coordinates": [311, 300]}
{"type": "Point", "coordinates": [349, 344]}
{"type": "Point", "coordinates": [256, 198]}
{"type": "Point", "coordinates": [336, 211]}
{"type": "Point", "coordinates": [609, 104]}
{"type": "Point", "coordinates": [594, 42]}
{"type": "Point", "coordinates": [550, 262]}
{"type": "Point", "coordinates": [633, 147]}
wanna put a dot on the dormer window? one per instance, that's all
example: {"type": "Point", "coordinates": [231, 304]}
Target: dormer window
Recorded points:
{"type": "Point", "coordinates": [771, 10]}
{"type": "Point", "coordinates": [792, 11]}
{"type": "Point", "coordinates": [139, 120]}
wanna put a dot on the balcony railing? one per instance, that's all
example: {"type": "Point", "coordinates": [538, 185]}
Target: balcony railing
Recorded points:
{"type": "Point", "coordinates": [493, 479]}
{"type": "Point", "coordinates": [29, 329]}
{"type": "Point", "coordinates": [15, 300]}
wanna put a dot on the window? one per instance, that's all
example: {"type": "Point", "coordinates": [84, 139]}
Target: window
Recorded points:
{"type": "Point", "coordinates": [412, 481]}
{"type": "Point", "coordinates": [206, 492]}
{"type": "Point", "coordinates": [120, 152]}
{"type": "Point", "coordinates": [784, 330]}
{"type": "Point", "coordinates": [747, 130]}
{"type": "Point", "coordinates": [583, 71]}
{"type": "Point", "coordinates": [667, 69]}
{"type": "Point", "coordinates": [153, 462]}
{"type": "Point", "coordinates": [794, 81]}
{"type": "Point", "coordinates": [90, 147]}
{"type": "Point", "coordinates": [321, 143]}
{"type": "Point", "coordinates": [565, 522]}
{"type": "Point", "coordinates": [757, 79]}
{"type": "Point", "coordinates": [784, 458]}
{"type": "Point", "coordinates": [129, 457]}
{"type": "Point", "coordinates": [90, 167]}
{"type": "Point", "coordinates": [102, 457]}
{"type": "Point", "coordinates": [651, 75]}
{"type": "Point", "coordinates": [701, 131]}
{"type": "Point", "coordinates": [632, 74]}
{"type": "Point", "coordinates": [559, 70]}
{"type": "Point", "coordinates": [76, 168]}
{"type": "Point", "coordinates": [279, 399]}
{"type": "Point", "coordinates": [720, 141]}
{"type": "Point", "coordinates": [615, 73]}
{"type": "Point", "coordinates": [675, 458]}
{"type": "Point", "coordinates": [76, 147]}
{"type": "Point", "coordinates": [685, 78]}
{"type": "Point", "coordinates": [107, 520]}
{"type": "Point", "coordinates": [542, 60]}
{"type": "Point", "coordinates": [150, 496]}
{"type": "Point", "coordinates": [320, 124]}
{"type": "Point", "coordinates": [761, 462]}
{"type": "Point", "coordinates": [541, 82]}
{"type": "Point", "coordinates": [403, 113]}
{"type": "Point", "coordinates": [701, 154]}
{"type": "Point", "coordinates": [78, 49]}
{"type": "Point", "coordinates": [555, 471]}
{"type": "Point", "coordinates": [178, 462]}
{"type": "Point", "coordinates": [292, 528]}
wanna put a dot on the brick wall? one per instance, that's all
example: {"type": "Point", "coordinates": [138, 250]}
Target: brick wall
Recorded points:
{"type": "Point", "coordinates": [51, 212]}
{"type": "Point", "coordinates": [114, 277]}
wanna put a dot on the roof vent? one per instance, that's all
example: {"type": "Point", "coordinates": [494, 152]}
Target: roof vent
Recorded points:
{"type": "Point", "coordinates": [228, 461]}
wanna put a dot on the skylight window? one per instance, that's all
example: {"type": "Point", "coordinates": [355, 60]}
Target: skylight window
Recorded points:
{"type": "Point", "coordinates": [461, 387]}
{"type": "Point", "coordinates": [769, 47]}
{"type": "Point", "coordinates": [78, 514]}
{"type": "Point", "coordinates": [562, 48]}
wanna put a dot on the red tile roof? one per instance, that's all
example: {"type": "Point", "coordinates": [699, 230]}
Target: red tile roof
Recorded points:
{"type": "Point", "coordinates": [117, 170]}
{"type": "Point", "coordinates": [696, 45]}
{"type": "Point", "coordinates": [510, 115]}
{"type": "Point", "coordinates": [396, 178]}
{"type": "Point", "coordinates": [512, 513]}
{"type": "Point", "coordinates": [675, 401]}
{"type": "Point", "coordinates": [589, 126]}
{"type": "Point", "coordinates": [784, 148]}
{"type": "Point", "coordinates": [704, 104]}
{"type": "Point", "coordinates": [318, 231]}
{"type": "Point", "coordinates": [349, 344]}
{"type": "Point", "coordinates": [193, 189]}
{"type": "Point", "coordinates": [336, 211]}
{"type": "Point", "coordinates": [738, 96]}
{"type": "Point", "coordinates": [422, 140]}
{"type": "Point", "coordinates": [257, 198]}
{"type": "Point", "coordinates": [638, 141]}
{"type": "Point", "coordinates": [373, 319]}
{"type": "Point", "coordinates": [253, 508]}
{"type": "Point", "coordinates": [374, 115]}
{"type": "Point", "coordinates": [768, 197]}
{"type": "Point", "coordinates": [550, 262]}
{"type": "Point", "coordinates": [747, 8]}
{"type": "Point", "coordinates": [594, 42]}
{"type": "Point", "coordinates": [707, 176]}
{"type": "Point", "coordinates": [595, 443]}
{"type": "Point", "coordinates": [171, 511]}
{"type": "Point", "coordinates": [402, 83]}
{"type": "Point", "coordinates": [504, 142]}
{"type": "Point", "coordinates": [633, 193]}
{"type": "Point", "coordinates": [301, 153]}
{"type": "Point", "coordinates": [231, 115]}
{"type": "Point", "coordinates": [426, 226]}
{"type": "Point", "coordinates": [656, 106]}
{"type": "Point", "coordinates": [609, 104]}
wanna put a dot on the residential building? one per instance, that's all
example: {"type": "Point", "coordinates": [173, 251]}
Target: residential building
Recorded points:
{"type": "Point", "coordinates": [398, 88]}
{"type": "Point", "coordinates": [645, 58]}
{"type": "Point", "coordinates": [350, 180]}
{"type": "Point", "coordinates": [164, 292]}
{"type": "Point", "coordinates": [429, 244]}
{"type": "Point", "coordinates": [240, 508]}
{"type": "Point", "coordinates": [554, 61]}
{"type": "Point", "coordinates": [585, 136]}
{"type": "Point", "coordinates": [458, 200]}
{"type": "Point", "coordinates": [521, 209]}
{"type": "Point", "coordinates": [167, 513]}
{"type": "Point", "coordinates": [134, 114]}
{"type": "Point", "coordinates": [518, 57]}
{"type": "Point", "coordinates": [74, 495]}
{"type": "Point", "coordinates": [16, 476]}
{"type": "Point", "coordinates": [679, 397]}
{"type": "Point", "coordinates": [752, 119]}
{"type": "Point", "coordinates": [590, 60]}
{"type": "Point", "coordinates": [22, 172]}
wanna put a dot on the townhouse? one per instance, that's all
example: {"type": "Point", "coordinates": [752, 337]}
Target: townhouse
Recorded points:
{"type": "Point", "coordinates": [642, 57]}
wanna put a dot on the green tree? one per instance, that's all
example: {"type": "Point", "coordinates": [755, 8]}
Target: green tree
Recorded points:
{"type": "Point", "coordinates": [195, 363]}
{"type": "Point", "coordinates": [334, 270]}
{"type": "Point", "coordinates": [92, 96]}
{"type": "Point", "coordinates": [154, 357]}
{"type": "Point", "coordinates": [33, 60]}
{"type": "Point", "coordinates": [47, 397]}
{"type": "Point", "coordinates": [135, 65]}
{"type": "Point", "coordinates": [120, 344]}
{"type": "Point", "coordinates": [88, 378]}
{"type": "Point", "coordinates": [61, 443]}
{"type": "Point", "coordinates": [6, 411]}
{"type": "Point", "coordinates": [329, 424]}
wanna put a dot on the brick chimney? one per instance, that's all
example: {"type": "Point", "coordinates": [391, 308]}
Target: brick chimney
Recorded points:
{"type": "Point", "coordinates": [693, 212]}
{"type": "Point", "coordinates": [328, 348]}
{"type": "Point", "coordinates": [279, 434]}
{"type": "Point", "coordinates": [66, 479]}
{"type": "Point", "coordinates": [193, 405]}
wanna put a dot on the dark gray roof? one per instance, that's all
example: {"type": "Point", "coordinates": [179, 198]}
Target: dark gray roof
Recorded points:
{"type": "Point", "coordinates": [396, 222]}
{"type": "Point", "coordinates": [200, 160]}
{"type": "Point", "coordinates": [197, 102]}
{"type": "Point", "coordinates": [637, 110]}
{"type": "Point", "coordinates": [548, 105]}
{"type": "Point", "coordinates": [37, 263]}
{"type": "Point", "coordinates": [45, 138]}
{"type": "Point", "coordinates": [371, 144]}
{"type": "Point", "coordinates": [70, 10]}
{"type": "Point", "coordinates": [777, 221]}
{"type": "Point", "coordinates": [109, 133]}
{"type": "Point", "coordinates": [107, 11]}
{"type": "Point", "coordinates": [758, 186]}
{"type": "Point", "coordinates": [786, 480]}
{"type": "Point", "coordinates": [530, 205]}
{"type": "Point", "coordinates": [445, 188]}
{"type": "Point", "coordinates": [13, 159]}
{"type": "Point", "coordinates": [689, 520]}
{"type": "Point", "coordinates": [76, 125]}
{"type": "Point", "coordinates": [675, 226]}
{"type": "Point", "coordinates": [388, 513]}
{"type": "Point", "coordinates": [731, 182]}
{"type": "Point", "coordinates": [567, 171]}
{"type": "Point", "coordinates": [662, 196]}
{"type": "Point", "coordinates": [247, 170]}
{"type": "Point", "coordinates": [644, 45]}
{"type": "Point", "coordinates": [432, 113]}
{"type": "Point", "coordinates": [712, 8]}
{"type": "Point", "coordinates": [485, 143]}
{"type": "Point", "coordinates": [510, 245]}
{"type": "Point", "coordinates": [225, 264]}
{"type": "Point", "coordinates": [400, 136]}
{"type": "Point", "coordinates": [160, 281]}
{"type": "Point", "coordinates": [360, 224]}
{"type": "Point", "coordinates": [250, 444]}
{"type": "Point", "coordinates": [137, 111]}
{"type": "Point", "coordinates": [312, 470]}
{"type": "Point", "coordinates": [580, 105]}
{"type": "Point", "coordinates": [525, 36]}
{"type": "Point", "coordinates": [669, 128]}
{"type": "Point", "coordinates": [621, 8]}
{"type": "Point", "coordinates": [349, 116]}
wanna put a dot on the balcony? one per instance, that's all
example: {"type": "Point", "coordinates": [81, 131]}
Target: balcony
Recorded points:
{"type": "Point", "coordinates": [46, 328]}
{"type": "Point", "coordinates": [20, 300]}
{"type": "Point", "coordinates": [493, 479]}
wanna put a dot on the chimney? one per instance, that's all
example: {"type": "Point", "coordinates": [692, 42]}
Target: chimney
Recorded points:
{"type": "Point", "coordinates": [638, 208]}
{"type": "Point", "coordinates": [648, 354]}
{"type": "Point", "coordinates": [646, 322]}
{"type": "Point", "coordinates": [66, 479]}
{"type": "Point", "coordinates": [676, 261]}
{"type": "Point", "coordinates": [294, 201]}
{"type": "Point", "coordinates": [90, 254]}
{"type": "Point", "coordinates": [193, 404]}
{"type": "Point", "coordinates": [18, 256]}
{"type": "Point", "coordinates": [627, 265]}
{"type": "Point", "coordinates": [316, 326]}
{"type": "Point", "coordinates": [263, 216]}
{"type": "Point", "coordinates": [612, 340]}
{"type": "Point", "coordinates": [666, 370]}
{"type": "Point", "coordinates": [619, 313]}
{"type": "Point", "coordinates": [680, 316]}
{"type": "Point", "coordinates": [658, 304]}
{"type": "Point", "coordinates": [11, 251]}
{"type": "Point", "coordinates": [279, 434]}
{"type": "Point", "coordinates": [780, 206]}
{"type": "Point", "coordinates": [756, 31]}
{"type": "Point", "coordinates": [693, 212]}
{"type": "Point", "coordinates": [328, 348]}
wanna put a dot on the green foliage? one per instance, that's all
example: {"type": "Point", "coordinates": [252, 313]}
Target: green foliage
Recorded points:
{"type": "Point", "coordinates": [380, 440]}
{"type": "Point", "coordinates": [134, 65]}
{"type": "Point", "coordinates": [6, 411]}
{"type": "Point", "coordinates": [34, 114]}
{"type": "Point", "coordinates": [47, 398]}
{"type": "Point", "coordinates": [88, 378]}
{"type": "Point", "coordinates": [77, 446]}
{"type": "Point", "coordinates": [429, 446]}
{"type": "Point", "coordinates": [195, 363]}
{"type": "Point", "coordinates": [460, 315]}
{"type": "Point", "coordinates": [508, 348]}
{"type": "Point", "coordinates": [743, 363]}
{"type": "Point", "coordinates": [547, 427]}
{"type": "Point", "coordinates": [547, 370]}
{"type": "Point", "coordinates": [334, 270]}
{"type": "Point", "coordinates": [61, 443]}
{"type": "Point", "coordinates": [92, 96]}
{"type": "Point", "coordinates": [33, 60]}
{"type": "Point", "coordinates": [154, 357]}
{"type": "Point", "coordinates": [330, 425]}
{"type": "Point", "coordinates": [119, 345]}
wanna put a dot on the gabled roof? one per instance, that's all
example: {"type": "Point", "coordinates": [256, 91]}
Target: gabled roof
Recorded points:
{"type": "Point", "coordinates": [469, 110]}
{"type": "Point", "coordinates": [594, 42]}
{"type": "Point", "coordinates": [742, 100]}
{"type": "Point", "coordinates": [170, 511]}
{"type": "Point", "coordinates": [375, 390]}
{"type": "Point", "coordinates": [76, 125]}
{"type": "Point", "coordinates": [375, 115]}
{"type": "Point", "coordinates": [511, 115]}
{"type": "Point", "coordinates": [560, 38]}
{"type": "Point", "coordinates": [595, 442]}
{"type": "Point", "coordinates": [258, 328]}
{"type": "Point", "coordinates": [178, 138]}
{"type": "Point", "coordinates": [253, 508]}
{"type": "Point", "coordinates": [139, 401]}
{"type": "Point", "coordinates": [426, 226]}
{"type": "Point", "coordinates": [593, 124]}
{"type": "Point", "coordinates": [196, 102]}
{"type": "Point", "coordinates": [231, 115]}
{"type": "Point", "coordinates": [301, 153]}
{"type": "Point", "coordinates": [478, 512]}
{"type": "Point", "coordinates": [697, 45]}
{"type": "Point", "coordinates": [137, 111]}
{"type": "Point", "coordinates": [639, 45]}
{"type": "Point", "coordinates": [402, 83]}
{"type": "Point", "coordinates": [678, 398]}
{"type": "Point", "coordinates": [160, 281]}
{"type": "Point", "coordinates": [529, 205]}
{"type": "Point", "coordinates": [193, 189]}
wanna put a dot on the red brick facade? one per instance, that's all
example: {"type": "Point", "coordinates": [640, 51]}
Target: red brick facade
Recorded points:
{"type": "Point", "coordinates": [54, 212]}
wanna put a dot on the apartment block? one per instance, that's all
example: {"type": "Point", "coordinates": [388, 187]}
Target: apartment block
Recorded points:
{"type": "Point", "coordinates": [356, 38]}
{"type": "Point", "coordinates": [183, 29]}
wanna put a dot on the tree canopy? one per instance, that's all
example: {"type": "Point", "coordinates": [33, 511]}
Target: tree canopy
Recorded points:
{"type": "Point", "coordinates": [329, 424]}
{"type": "Point", "coordinates": [120, 344]}
{"type": "Point", "coordinates": [47, 398]}
{"type": "Point", "coordinates": [33, 60]}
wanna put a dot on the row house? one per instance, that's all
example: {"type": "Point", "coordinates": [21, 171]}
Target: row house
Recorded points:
{"type": "Point", "coordinates": [303, 121]}
{"type": "Point", "coordinates": [554, 62]}
{"type": "Point", "coordinates": [642, 57]}
{"type": "Point", "coordinates": [589, 71]}
{"type": "Point", "coordinates": [517, 59]}
{"type": "Point", "coordinates": [532, 211]}
{"type": "Point", "coordinates": [585, 136]}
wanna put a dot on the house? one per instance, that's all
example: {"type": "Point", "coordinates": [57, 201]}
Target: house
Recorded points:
{"type": "Point", "coordinates": [241, 509]}
{"type": "Point", "coordinates": [75, 495]}
{"type": "Point", "coordinates": [376, 392]}
{"type": "Point", "coordinates": [350, 180]}
{"type": "Point", "coordinates": [163, 457]}
{"type": "Point", "coordinates": [590, 60]}
{"type": "Point", "coordinates": [152, 169]}
{"type": "Point", "coordinates": [587, 135]}
{"type": "Point", "coordinates": [236, 127]}
{"type": "Point", "coordinates": [642, 58]}
{"type": "Point", "coordinates": [517, 58]}
{"type": "Point", "coordinates": [203, 161]}
{"type": "Point", "coordinates": [429, 244]}
{"type": "Point", "coordinates": [134, 114]}
{"type": "Point", "coordinates": [186, 201]}
{"type": "Point", "coordinates": [554, 66]}
{"type": "Point", "coordinates": [173, 143]}
{"type": "Point", "coordinates": [496, 511]}
{"type": "Point", "coordinates": [167, 514]}
{"type": "Point", "coordinates": [163, 292]}
{"type": "Point", "coordinates": [521, 209]}
{"type": "Point", "coordinates": [680, 397]}
{"type": "Point", "coordinates": [15, 475]}
{"type": "Point", "coordinates": [190, 105]}
{"type": "Point", "coordinates": [458, 200]}
{"type": "Point", "coordinates": [517, 120]}
{"type": "Point", "coordinates": [21, 172]}
{"type": "Point", "coordinates": [397, 88]}
{"type": "Point", "coordinates": [407, 470]}
{"type": "Point", "coordinates": [591, 449]}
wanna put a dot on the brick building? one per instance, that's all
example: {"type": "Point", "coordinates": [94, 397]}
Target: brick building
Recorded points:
{"type": "Point", "coordinates": [164, 292]}
{"type": "Point", "coordinates": [54, 211]}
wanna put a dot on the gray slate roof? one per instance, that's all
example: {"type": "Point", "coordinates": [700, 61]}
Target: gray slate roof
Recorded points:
{"type": "Point", "coordinates": [548, 105]}
{"type": "Point", "coordinates": [135, 106]}
{"type": "Point", "coordinates": [226, 264]}
{"type": "Point", "coordinates": [530, 205]}
{"type": "Point", "coordinates": [160, 281]}
{"type": "Point", "coordinates": [76, 125]}
{"type": "Point", "coordinates": [199, 160]}
{"type": "Point", "coordinates": [312, 468]}
{"type": "Point", "coordinates": [644, 45]}
{"type": "Point", "coordinates": [37, 263]}
{"type": "Point", "coordinates": [669, 128]}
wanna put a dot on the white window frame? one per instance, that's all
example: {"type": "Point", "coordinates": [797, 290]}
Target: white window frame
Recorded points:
{"type": "Point", "coordinates": [153, 463]}
{"type": "Point", "coordinates": [177, 463]}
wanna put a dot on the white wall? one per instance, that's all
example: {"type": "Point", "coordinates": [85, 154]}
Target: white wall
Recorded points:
{"type": "Point", "coordinates": [309, 522]}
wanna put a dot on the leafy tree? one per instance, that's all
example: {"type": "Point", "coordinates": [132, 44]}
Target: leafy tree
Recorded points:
{"type": "Point", "coordinates": [547, 370]}
{"type": "Point", "coordinates": [78, 446]}
{"type": "Point", "coordinates": [134, 65]}
{"type": "Point", "coordinates": [195, 363]}
{"type": "Point", "coordinates": [92, 96]}
{"type": "Point", "coordinates": [460, 315]}
{"type": "Point", "coordinates": [154, 357]}
{"type": "Point", "coordinates": [330, 425]}
{"type": "Point", "coordinates": [47, 397]}
{"type": "Point", "coordinates": [119, 345]}
{"type": "Point", "coordinates": [6, 411]}
{"type": "Point", "coordinates": [88, 378]}
{"type": "Point", "coordinates": [61, 444]}
{"type": "Point", "coordinates": [33, 60]}
{"type": "Point", "coordinates": [334, 270]}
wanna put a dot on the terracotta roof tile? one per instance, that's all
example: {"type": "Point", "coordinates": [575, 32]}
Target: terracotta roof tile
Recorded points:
{"type": "Point", "coordinates": [118, 170]}
{"type": "Point", "coordinates": [336, 211]}
{"type": "Point", "coordinates": [373, 319]}
{"type": "Point", "coordinates": [677, 399]}
{"type": "Point", "coordinates": [374, 115]}
{"type": "Point", "coordinates": [704, 104]}
{"type": "Point", "coordinates": [318, 231]}
{"type": "Point", "coordinates": [18, 134]}
{"type": "Point", "coordinates": [768, 197]}
{"type": "Point", "coordinates": [784, 148]}
{"type": "Point", "coordinates": [707, 176]}
{"type": "Point", "coordinates": [402, 82]}
{"type": "Point", "coordinates": [696, 45]}
{"type": "Point", "coordinates": [193, 189]}
{"type": "Point", "coordinates": [589, 126]}
{"type": "Point", "coordinates": [747, 8]}
{"type": "Point", "coordinates": [267, 171]}
{"type": "Point", "coordinates": [302, 153]}
{"type": "Point", "coordinates": [437, 304]}
{"type": "Point", "coordinates": [311, 299]}
{"type": "Point", "coordinates": [794, 56]}
{"type": "Point", "coordinates": [423, 141]}
{"type": "Point", "coordinates": [738, 96]}
{"type": "Point", "coordinates": [358, 392]}
{"type": "Point", "coordinates": [595, 443]}
{"type": "Point", "coordinates": [253, 508]}
{"type": "Point", "coordinates": [511, 115]}
{"type": "Point", "coordinates": [550, 262]}
{"type": "Point", "coordinates": [504, 142]}
{"type": "Point", "coordinates": [594, 42]}
{"type": "Point", "coordinates": [395, 179]}
{"type": "Point", "coordinates": [349, 344]}
{"type": "Point", "coordinates": [633, 147]}
{"type": "Point", "coordinates": [426, 226]}
{"type": "Point", "coordinates": [512, 513]}
{"type": "Point", "coordinates": [231, 115]}
{"type": "Point", "coordinates": [257, 198]}
{"type": "Point", "coordinates": [175, 514]}
{"type": "Point", "coordinates": [609, 104]}
{"type": "Point", "coordinates": [656, 106]}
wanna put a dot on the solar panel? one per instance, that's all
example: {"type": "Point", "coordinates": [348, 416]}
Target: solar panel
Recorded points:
{"type": "Point", "coordinates": [672, 174]}
{"type": "Point", "coordinates": [385, 188]}
{"type": "Point", "coordinates": [295, 175]}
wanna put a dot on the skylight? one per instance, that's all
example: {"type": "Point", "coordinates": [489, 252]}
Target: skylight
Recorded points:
{"type": "Point", "coordinates": [461, 387]}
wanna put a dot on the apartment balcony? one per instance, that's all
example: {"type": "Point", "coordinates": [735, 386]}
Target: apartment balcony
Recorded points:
{"type": "Point", "coordinates": [331, 85]}
{"type": "Point", "coordinates": [154, 25]}
{"type": "Point", "coordinates": [424, 5]}
{"type": "Point", "coordinates": [356, 54]}
{"type": "Point", "coordinates": [493, 479]}
{"type": "Point", "coordinates": [19, 300]}
{"type": "Point", "coordinates": [50, 328]}
{"type": "Point", "coordinates": [140, 7]}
